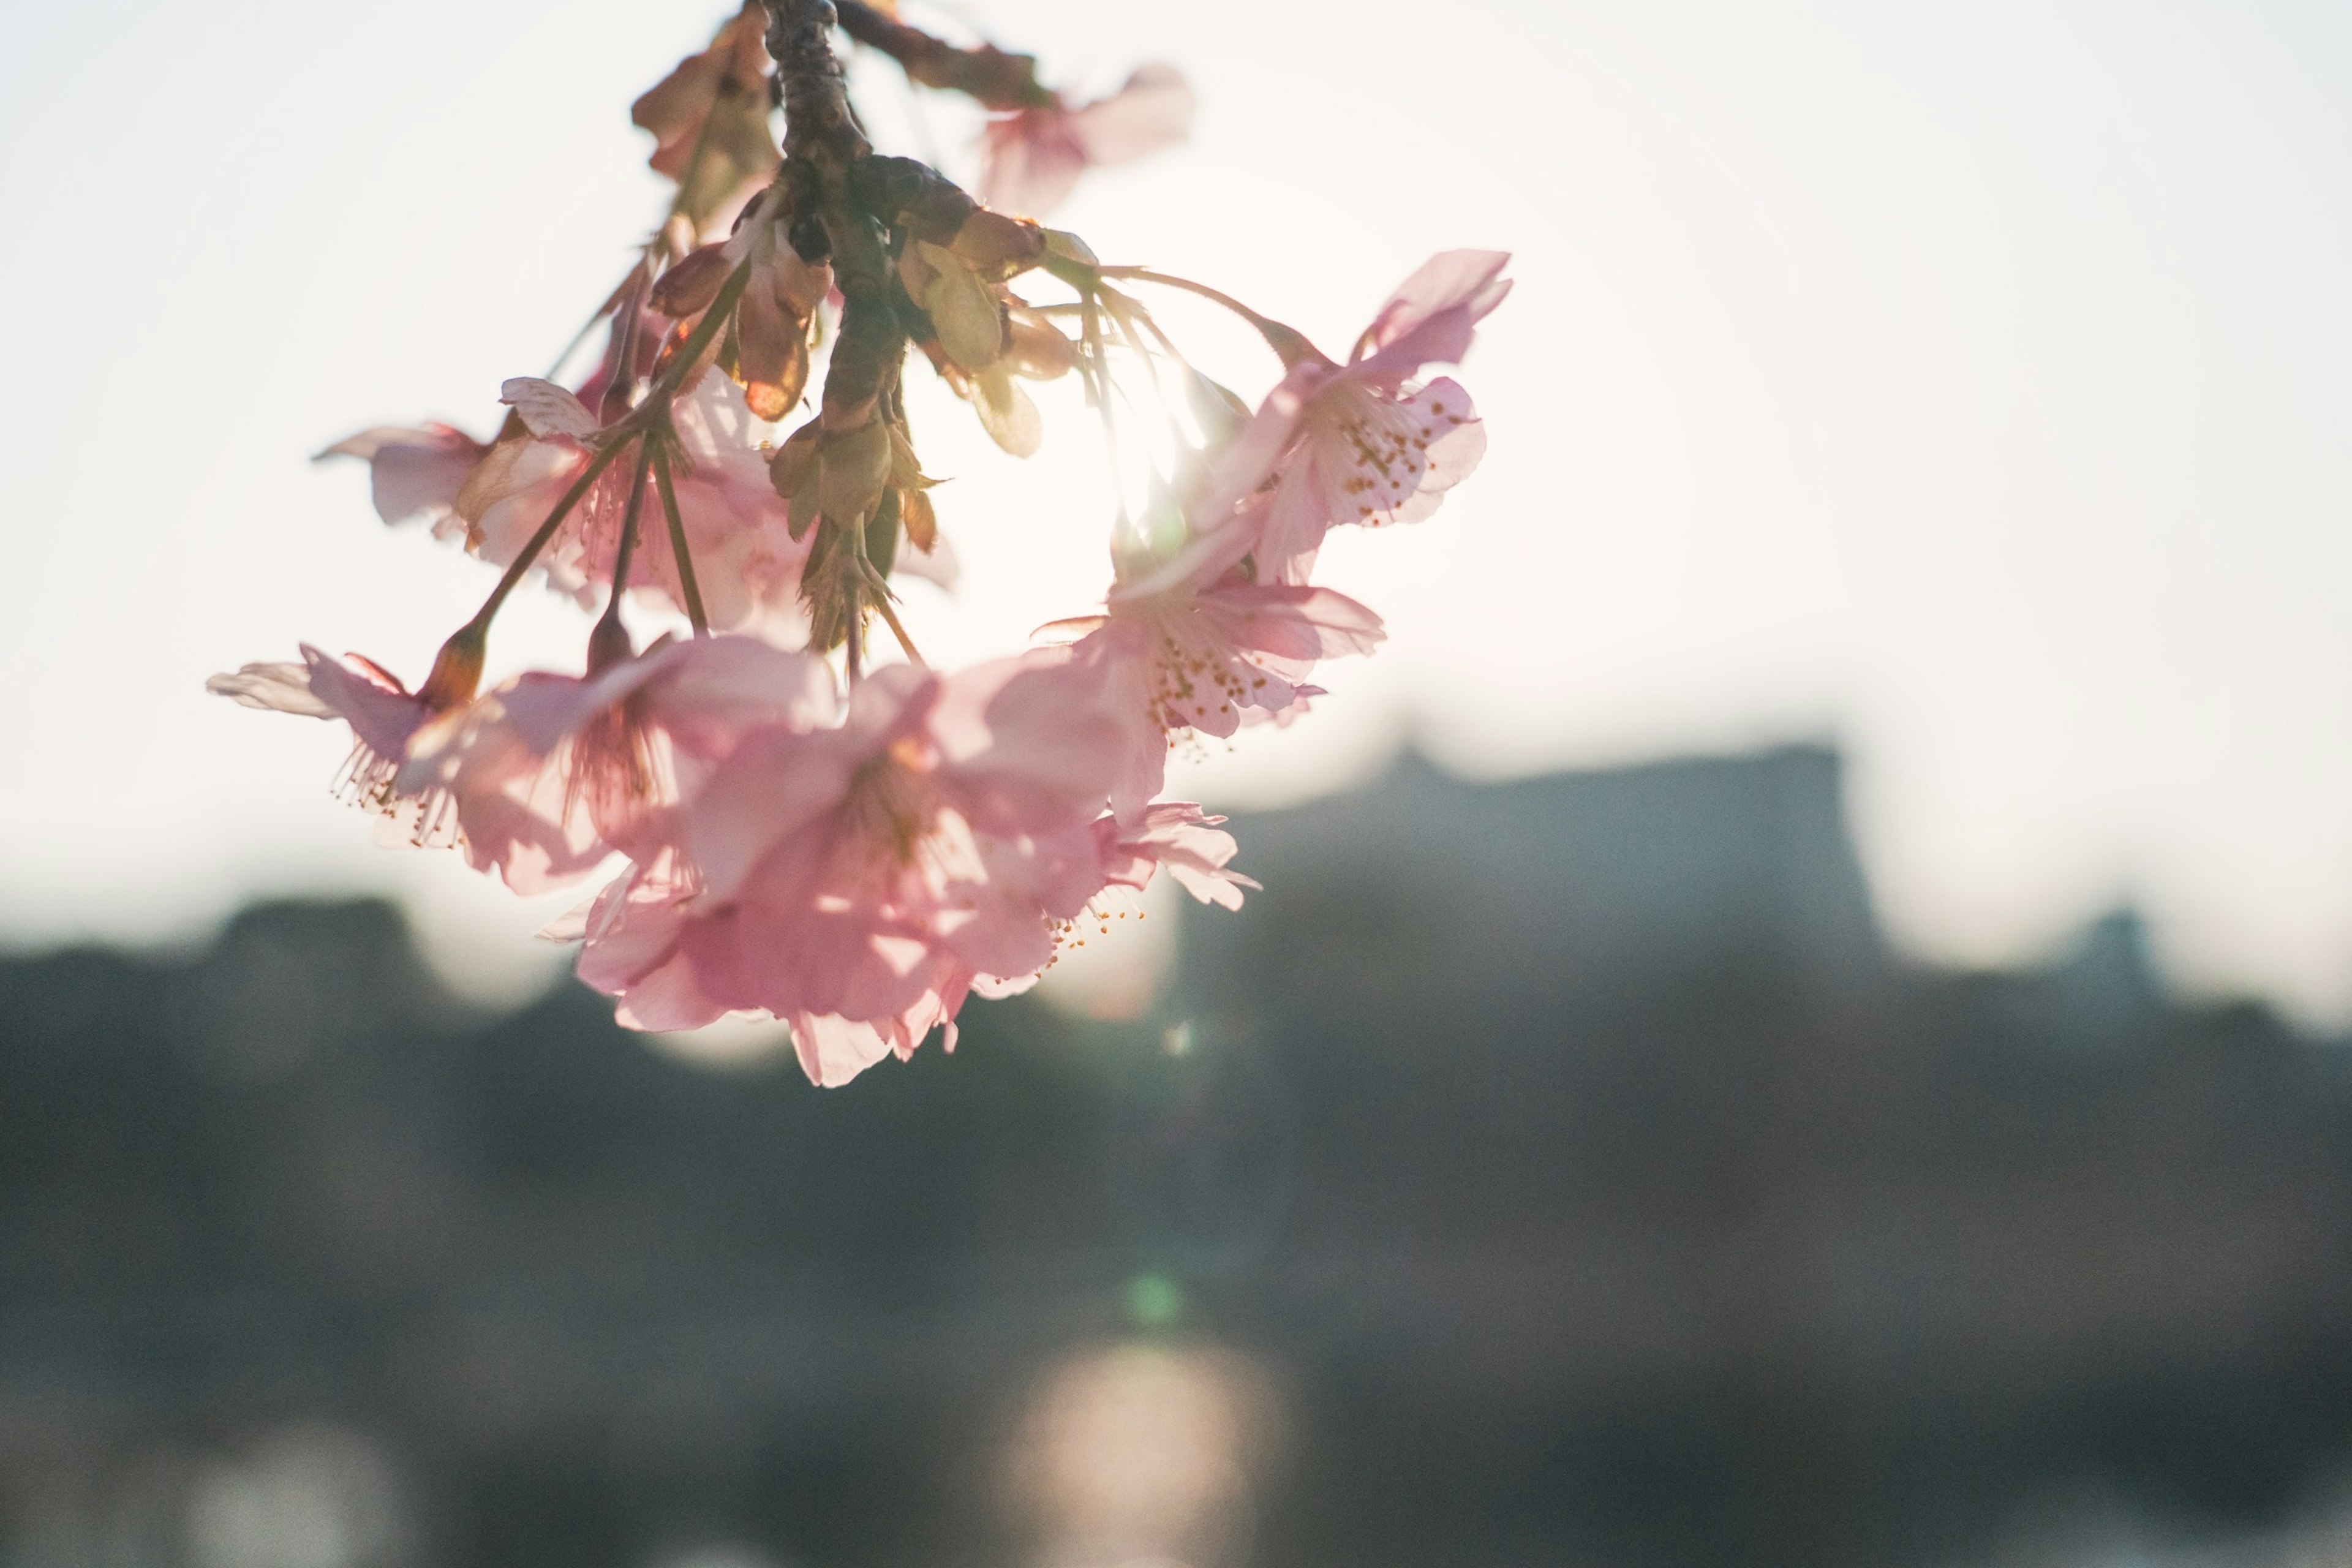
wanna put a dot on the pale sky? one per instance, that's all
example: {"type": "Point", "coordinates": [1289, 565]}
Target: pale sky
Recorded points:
{"type": "Point", "coordinates": [1966, 386]}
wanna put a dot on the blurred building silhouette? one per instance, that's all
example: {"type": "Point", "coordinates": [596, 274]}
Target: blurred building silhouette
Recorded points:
{"type": "Point", "coordinates": [1560, 1171]}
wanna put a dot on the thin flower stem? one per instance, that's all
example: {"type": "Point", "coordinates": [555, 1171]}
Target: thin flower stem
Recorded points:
{"type": "Point", "coordinates": [677, 550]}
{"type": "Point", "coordinates": [616, 402]}
{"type": "Point", "coordinates": [1286, 341]}
{"type": "Point", "coordinates": [598, 462]}
{"type": "Point", "coordinates": [628, 545]}
{"type": "Point", "coordinates": [654, 410]}
{"type": "Point", "coordinates": [1098, 377]}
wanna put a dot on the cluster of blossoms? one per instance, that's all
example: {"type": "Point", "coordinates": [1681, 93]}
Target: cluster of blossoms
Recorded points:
{"type": "Point", "coordinates": [806, 827]}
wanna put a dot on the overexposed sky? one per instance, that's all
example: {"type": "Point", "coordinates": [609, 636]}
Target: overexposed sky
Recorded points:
{"type": "Point", "coordinates": [1970, 385]}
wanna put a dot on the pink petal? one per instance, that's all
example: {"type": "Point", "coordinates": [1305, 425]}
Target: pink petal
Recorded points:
{"type": "Point", "coordinates": [1031, 160]}
{"type": "Point", "coordinates": [281, 688]}
{"type": "Point", "coordinates": [774, 785]}
{"type": "Point", "coordinates": [548, 409]}
{"type": "Point", "coordinates": [1454, 290]}
{"type": "Point", "coordinates": [833, 1050]}
{"type": "Point", "coordinates": [1028, 743]}
{"type": "Point", "coordinates": [1243, 467]}
{"type": "Point", "coordinates": [382, 716]}
{"type": "Point", "coordinates": [1292, 622]}
{"type": "Point", "coordinates": [412, 473]}
{"type": "Point", "coordinates": [1154, 110]}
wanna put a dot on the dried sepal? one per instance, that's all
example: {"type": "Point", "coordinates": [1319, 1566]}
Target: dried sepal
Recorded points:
{"type": "Point", "coordinates": [771, 358]}
{"type": "Point", "coordinates": [998, 245]}
{"type": "Point", "coordinates": [963, 310]}
{"type": "Point", "coordinates": [831, 582]}
{"type": "Point", "coordinates": [906, 501]}
{"type": "Point", "coordinates": [792, 471]}
{"type": "Point", "coordinates": [920, 519]}
{"type": "Point", "coordinates": [1036, 349]}
{"type": "Point", "coordinates": [775, 321]}
{"type": "Point", "coordinates": [709, 122]}
{"type": "Point", "coordinates": [906, 468]}
{"type": "Point", "coordinates": [882, 534]}
{"type": "Point", "coordinates": [836, 474]}
{"type": "Point", "coordinates": [1064, 246]}
{"type": "Point", "coordinates": [793, 460]}
{"type": "Point", "coordinates": [688, 289]}
{"type": "Point", "coordinates": [1007, 413]}
{"type": "Point", "coordinates": [853, 467]}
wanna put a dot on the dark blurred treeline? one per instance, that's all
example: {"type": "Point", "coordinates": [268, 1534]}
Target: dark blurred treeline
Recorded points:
{"type": "Point", "coordinates": [1582, 1177]}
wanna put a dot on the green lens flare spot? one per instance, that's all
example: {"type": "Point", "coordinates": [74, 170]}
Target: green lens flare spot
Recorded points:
{"type": "Point", "coordinates": [1154, 1300]}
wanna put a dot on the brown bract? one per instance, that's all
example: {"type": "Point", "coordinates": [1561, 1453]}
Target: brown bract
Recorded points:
{"type": "Point", "coordinates": [709, 122]}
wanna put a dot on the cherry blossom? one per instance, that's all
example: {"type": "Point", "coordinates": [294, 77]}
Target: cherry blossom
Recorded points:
{"type": "Point", "coordinates": [1177, 837]}
{"type": "Point", "coordinates": [783, 825]}
{"type": "Point", "coordinates": [872, 873]}
{"type": "Point", "coordinates": [1364, 442]}
{"type": "Point", "coordinates": [737, 527]}
{"type": "Point", "coordinates": [1033, 157]}
{"type": "Point", "coordinates": [382, 714]}
{"type": "Point", "coordinates": [709, 122]}
{"type": "Point", "coordinates": [1195, 645]}
{"type": "Point", "coordinates": [415, 473]}
{"type": "Point", "coordinates": [550, 773]}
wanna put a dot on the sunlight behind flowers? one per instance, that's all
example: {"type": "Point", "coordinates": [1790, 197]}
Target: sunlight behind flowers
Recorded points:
{"type": "Point", "coordinates": [1999, 441]}
{"type": "Point", "coordinates": [1141, 1453]}
{"type": "Point", "coordinates": [1119, 960]}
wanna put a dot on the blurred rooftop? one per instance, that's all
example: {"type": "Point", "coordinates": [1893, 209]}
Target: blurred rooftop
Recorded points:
{"type": "Point", "coordinates": [1556, 1171]}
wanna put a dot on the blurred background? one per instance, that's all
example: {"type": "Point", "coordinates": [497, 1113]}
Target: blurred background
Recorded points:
{"type": "Point", "coordinates": [1798, 1011]}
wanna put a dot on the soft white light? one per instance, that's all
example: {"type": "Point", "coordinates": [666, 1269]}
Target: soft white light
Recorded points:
{"type": "Point", "coordinates": [1139, 1452]}
{"type": "Point", "coordinates": [1965, 384]}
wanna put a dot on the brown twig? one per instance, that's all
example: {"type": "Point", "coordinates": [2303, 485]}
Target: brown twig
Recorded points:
{"type": "Point", "coordinates": [818, 125]}
{"type": "Point", "coordinates": [825, 154]}
{"type": "Point", "coordinates": [989, 76]}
